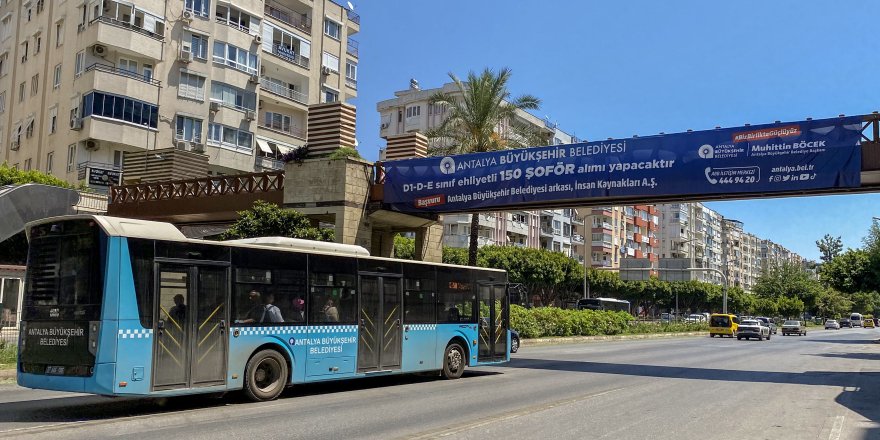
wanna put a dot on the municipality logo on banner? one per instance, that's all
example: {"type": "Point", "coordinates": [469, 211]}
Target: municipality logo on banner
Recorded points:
{"type": "Point", "coordinates": [447, 165]}
{"type": "Point", "coordinates": [706, 152]}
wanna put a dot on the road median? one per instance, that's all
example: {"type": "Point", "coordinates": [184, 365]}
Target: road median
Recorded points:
{"type": "Point", "coordinates": [603, 338]}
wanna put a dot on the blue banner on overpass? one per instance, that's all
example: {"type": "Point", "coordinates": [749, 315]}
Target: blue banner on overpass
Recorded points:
{"type": "Point", "coordinates": [783, 157]}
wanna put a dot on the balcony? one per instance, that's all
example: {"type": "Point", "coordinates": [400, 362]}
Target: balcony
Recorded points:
{"type": "Point", "coordinates": [287, 54]}
{"type": "Point", "coordinates": [111, 79]}
{"type": "Point", "coordinates": [578, 239]}
{"type": "Point", "coordinates": [289, 17]}
{"type": "Point", "coordinates": [352, 47]}
{"type": "Point", "coordinates": [546, 231]}
{"type": "Point", "coordinates": [287, 129]}
{"type": "Point", "coordinates": [601, 243]}
{"type": "Point", "coordinates": [268, 164]}
{"type": "Point", "coordinates": [575, 220]}
{"type": "Point", "coordinates": [284, 92]}
{"type": "Point", "coordinates": [351, 82]}
{"type": "Point", "coordinates": [130, 38]}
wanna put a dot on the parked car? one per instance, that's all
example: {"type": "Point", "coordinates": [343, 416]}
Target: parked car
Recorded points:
{"type": "Point", "coordinates": [832, 324]}
{"type": "Point", "coordinates": [845, 322]}
{"type": "Point", "coordinates": [752, 328]}
{"type": "Point", "coordinates": [793, 327]}
{"type": "Point", "coordinates": [868, 323]}
{"type": "Point", "coordinates": [769, 323]}
{"type": "Point", "coordinates": [695, 317]}
{"type": "Point", "coordinates": [514, 341]}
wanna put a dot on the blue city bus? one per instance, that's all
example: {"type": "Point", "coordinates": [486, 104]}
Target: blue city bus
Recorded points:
{"type": "Point", "coordinates": [127, 307]}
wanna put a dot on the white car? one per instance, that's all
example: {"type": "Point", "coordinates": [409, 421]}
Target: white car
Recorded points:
{"type": "Point", "coordinates": [832, 324]}
{"type": "Point", "coordinates": [752, 328]}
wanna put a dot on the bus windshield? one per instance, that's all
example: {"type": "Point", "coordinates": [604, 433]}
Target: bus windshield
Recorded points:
{"type": "Point", "coordinates": [64, 280]}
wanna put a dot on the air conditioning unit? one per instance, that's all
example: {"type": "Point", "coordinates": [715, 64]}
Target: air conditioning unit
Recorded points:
{"type": "Point", "coordinates": [92, 145]}
{"type": "Point", "coordinates": [188, 16]}
{"type": "Point", "coordinates": [255, 79]}
{"type": "Point", "coordinates": [76, 123]}
{"type": "Point", "coordinates": [99, 50]}
{"type": "Point", "coordinates": [325, 70]}
{"type": "Point", "coordinates": [15, 145]}
{"type": "Point", "coordinates": [258, 39]}
{"type": "Point", "coordinates": [215, 106]}
{"type": "Point", "coordinates": [196, 147]}
{"type": "Point", "coordinates": [80, 27]}
{"type": "Point", "coordinates": [185, 55]}
{"type": "Point", "coordinates": [384, 125]}
{"type": "Point", "coordinates": [250, 115]}
{"type": "Point", "coordinates": [182, 145]}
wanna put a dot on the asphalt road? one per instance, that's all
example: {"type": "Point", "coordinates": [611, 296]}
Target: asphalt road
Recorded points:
{"type": "Point", "coordinates": [825, 385]}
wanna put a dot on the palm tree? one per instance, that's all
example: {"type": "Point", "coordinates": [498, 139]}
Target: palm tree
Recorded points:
{"type": "Point", "coordinates": [481, 117]}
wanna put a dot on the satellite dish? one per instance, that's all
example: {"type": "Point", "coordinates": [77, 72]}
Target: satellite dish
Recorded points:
{"type": "Point", "coordinates": [350, 6]}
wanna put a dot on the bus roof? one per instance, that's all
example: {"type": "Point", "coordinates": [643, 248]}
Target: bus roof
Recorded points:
{"type": "Point", "coordinates": [152, 230]}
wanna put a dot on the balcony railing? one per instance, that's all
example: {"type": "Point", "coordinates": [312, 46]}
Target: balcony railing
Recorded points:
{"type": "Point", "coordinates": [268, 163]}
{"type": "Point", "coordinates": [351, 82]}
{"type": "Point", "coordinates": [291, 18]}
{"type": "Point", "coordinates": [129, 26]}
{"type": "Point", "coordinates": [286, 54]}
{"type": "Point", "coordinates": [546, 230]}
{"type": "Point", "coordinates": [281, 90]}
{"type": "Point", "coordinates": [289, 130]}
{"type": "Point", "coordinates": [193, 188]}
{"type": "Point", "coordinates": [122, 72]}
{"type": "Point", "coordinates": [195, 136]}
{"type": "Point", "coordinates": [353, 16]}
{"type": "Point", "coordinates": [352, 47]}
{"type": "Point", "coordinates": [236, 26]}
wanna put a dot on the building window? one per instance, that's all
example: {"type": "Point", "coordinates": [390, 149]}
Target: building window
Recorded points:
{"type": "Point", "coordinates": [230, 137]}
{"type": "Point", "coordinates": [233, 96]}
{"type": "Point", "coordinates": [59, 33]}
{"type": "Point", "coordinates": [21, 92]}
{"type": "Point", "coordinates": [35, 84]}
{"type": "Point", "coordinates": [25, 47]}
{"type": "Point", "coordinates": [351, 70]}
{"type": "Point", "coordinates": [198, 7]}
{"type": "Point", "coordinates": [80, 61]}
{"type": "Point", "coordinates": [237, 19]}
{"type": "Point", "coordinates": [330, 95]}
{"type": "Point", "coordinates": [192, 86]}
{"type": "Point", "coordinates": [29, 129]}
{"type": "Point", "coordinates": [120, 108]}
{"type": "Point", "coordinates": [330, 61]}
{"type": "Point", "coordinates": [27, 164]}
{"type": "Point", "coordinates": [71, 157]}
{"type": "Point", "coordinates": [38, 43]}
{"type": "Point", "coordinates": [198, 45]}
{"type": "Point", "coordinates": [413, 111]}
{"type": "Point", "coordinates": [53, 120]}
{"type": "Point", "coordinates": [331, 28]}
{"type": "Point", "coordinates": [3, 64]}
{"type": "Point", "coordinates": [278, 121]}
{"type": "Point", "coordinates": [189, 129]}
{"type": "Point", "coordinates": [235, 57]}
{"type": "Point", "coordinates": [2, 102]}
{"type": "Point", "coordinates": [50, 157]}
{"type": "Point", "coordinates": [56, 77]}
{"type": "Point", "coordinates": [6, 27]}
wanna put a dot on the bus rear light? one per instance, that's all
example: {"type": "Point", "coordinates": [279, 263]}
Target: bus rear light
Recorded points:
{"type": "Point", "coordinates": [94, 328]}
{"type": "Point", "coordinates": [123, 384]}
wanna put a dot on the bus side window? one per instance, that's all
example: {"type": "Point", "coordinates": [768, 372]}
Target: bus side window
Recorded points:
{"type": "Point", "coordinates": [419, 294]}
{"type": "Point", "coordinates": [332, 290]}
{"type": "Point", "coordinates": [455, 297]}
{"type": "Point", "coordinates": [270, 281]}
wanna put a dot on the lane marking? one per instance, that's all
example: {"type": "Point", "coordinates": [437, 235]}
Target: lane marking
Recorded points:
{"type": "Point", "coordinates": [836, 428]}
{"type": "Point", "coordinates": [449, 431]}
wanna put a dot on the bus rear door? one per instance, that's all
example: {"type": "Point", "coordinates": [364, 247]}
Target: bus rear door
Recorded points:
{"type": "Point", "coordinates": [379, 326]}
{"type": "Point", "coordinates": [492, 346]}
{"type": "Point", "coordinates": [191, 319]}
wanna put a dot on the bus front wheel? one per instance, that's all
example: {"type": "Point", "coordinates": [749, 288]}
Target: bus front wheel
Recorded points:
{"type": "Point", "coordinates": [454, 361]}
{"type": "Point", "coordinates": [265, 376]}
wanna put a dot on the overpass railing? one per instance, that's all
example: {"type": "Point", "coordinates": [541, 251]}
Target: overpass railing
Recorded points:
{"type": "Point", "coordinates": [202, 187]}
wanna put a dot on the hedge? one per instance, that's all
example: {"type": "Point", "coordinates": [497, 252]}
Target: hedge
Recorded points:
{"type": "Point", "coordinates": [552, 321]}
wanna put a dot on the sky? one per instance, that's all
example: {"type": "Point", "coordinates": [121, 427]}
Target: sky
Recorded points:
{"type": "Point", "coordinates": [618, 69]}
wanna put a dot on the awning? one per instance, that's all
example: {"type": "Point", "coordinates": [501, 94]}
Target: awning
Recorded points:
{"type": "Point", "coordinates": [264, 146]}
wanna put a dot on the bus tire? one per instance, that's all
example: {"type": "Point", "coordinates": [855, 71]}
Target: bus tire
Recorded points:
{"type": "Point", "coordinates": [454, 360]}
{"type": "Point", "coordinates": [265, 376]}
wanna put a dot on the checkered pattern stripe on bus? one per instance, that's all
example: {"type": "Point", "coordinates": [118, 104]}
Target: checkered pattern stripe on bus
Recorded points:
{"type": "Point", "coordinates": [423, 327]}
{"type": "Point", "coordinates": [296, 330]}
{"type": "Point", "coordinates": [141, 333]}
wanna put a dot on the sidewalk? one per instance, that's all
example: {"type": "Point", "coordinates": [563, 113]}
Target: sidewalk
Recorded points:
{"type": "Point", "coordinates": [581, 339]}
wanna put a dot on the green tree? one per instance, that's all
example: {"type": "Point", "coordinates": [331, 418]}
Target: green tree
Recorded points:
{"type": "Point", "coordinates": [548, 274]}
{"type": "Point", "coordinates": [790, 307]}
{"type": "Point", "coordinates": [766, 307]}
{"type": "Point", "coordinates": [865, 302]}
{"type": "Point", "coordinates": [829, 247]}
{"type": "Point", "coordinates": [453, 255]}
{"type": "Point", "coordinates": [833, 304]}
{"type": "Point", "coordinates": [849, 272]}
{"type": "Point", "coordinates": [14, 249]}
{"type": "Point", "coordinates": [404, 247]}
{"type": "Point", "coordinates": [266, 219]}
{"type": "Point", "coordinates": [476, 111]}
{"type": "Point", "coordinates": [872, 240]}
{"type": "Point", "coordinates": [788, 280]}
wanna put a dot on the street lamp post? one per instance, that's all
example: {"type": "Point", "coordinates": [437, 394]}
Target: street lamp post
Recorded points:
{"type": "Point", "coordinates": [586, 283]}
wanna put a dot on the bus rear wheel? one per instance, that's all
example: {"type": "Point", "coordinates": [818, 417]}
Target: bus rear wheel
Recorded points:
{"type": "Point", "coordinates": [454, 361]}
{"type": "Point", "coordinates": [265, 376]}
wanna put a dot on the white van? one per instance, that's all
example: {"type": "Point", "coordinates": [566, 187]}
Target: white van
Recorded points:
{"type": "Point", "coordinates": [856, 320]}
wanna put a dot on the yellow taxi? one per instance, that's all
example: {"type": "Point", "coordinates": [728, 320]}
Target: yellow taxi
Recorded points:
{"type": "Point", "coordinates": [868, 321]}
{"type": "Point", "coordinates": [723, 324]}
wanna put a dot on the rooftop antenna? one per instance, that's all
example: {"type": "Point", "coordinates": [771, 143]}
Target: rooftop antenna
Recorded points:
{"type": "Point", "coordinates": [414, 84]}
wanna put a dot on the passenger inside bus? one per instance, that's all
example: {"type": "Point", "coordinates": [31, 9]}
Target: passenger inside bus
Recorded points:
{"type": "Point", "coordinates": [178, 312]}
{"type": "Point", "coordinates": [262, 309]}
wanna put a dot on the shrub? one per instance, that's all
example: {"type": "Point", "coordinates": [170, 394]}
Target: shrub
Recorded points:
{"type": "Point", "coordinates": [552, 321]}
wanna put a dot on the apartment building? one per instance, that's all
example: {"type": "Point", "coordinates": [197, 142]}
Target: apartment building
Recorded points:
{"type": "Point", "coordinates": [553, 229]}
{"type": "Point", "coordinates": [84, 82]}
{"type": "Point", "coordinates": [618, 232]}
{"type": "Point", "coordinates": [742, 259]}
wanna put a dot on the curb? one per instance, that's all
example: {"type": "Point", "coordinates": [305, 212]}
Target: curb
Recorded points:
{"type": "Point", "coordinates": [581, 339]}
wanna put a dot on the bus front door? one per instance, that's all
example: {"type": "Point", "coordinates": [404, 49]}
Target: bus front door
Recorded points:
{"type": "Point", "coordinates": [379, 332]}
{"type": "Point", "coordinates": [190, 326]}
{"type": "Point", "coordinates": [492, 344]}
